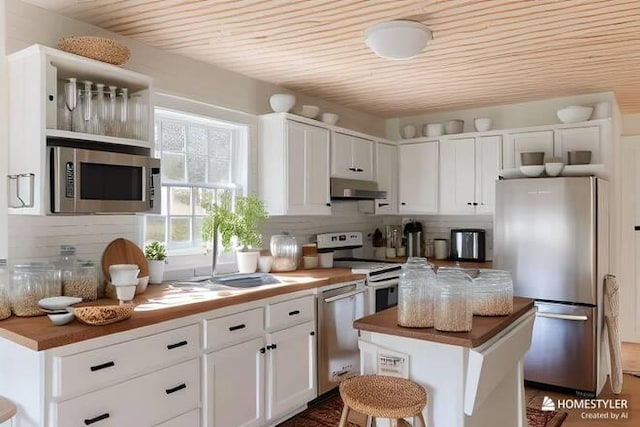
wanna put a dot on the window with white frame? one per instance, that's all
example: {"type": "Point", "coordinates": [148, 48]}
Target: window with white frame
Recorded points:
{"type": "Point", "coordinates": [201, 158]}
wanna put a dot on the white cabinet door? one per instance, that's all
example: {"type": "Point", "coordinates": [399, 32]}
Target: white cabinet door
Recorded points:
{"type": "Point", "coordinates": [418, 178]}
{"type": "Point", "coordinates": [291, 369]}
{"type": "Point", "coordinates": [235, 387]}
{"type": "Point", "coordinates": [351, 157]}
{"type": "Point", "coordinates": [488, 150]}
{"type": "Point", "coordinates": [307, 169]}
{"type": "Point", "coordinates": [387, 159]}
{"type": "Point", "coordinates": [578, 139]}
{"type": "Point", "coordinates": [526, 142]}
{"type": "Point", "coordinates": [457, 176]}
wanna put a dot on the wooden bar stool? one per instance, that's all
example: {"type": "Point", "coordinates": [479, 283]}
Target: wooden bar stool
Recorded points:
{"type": "Point", "coordinates": [379, 396]}
{"type": "Point", "coordinates": [7, 410]}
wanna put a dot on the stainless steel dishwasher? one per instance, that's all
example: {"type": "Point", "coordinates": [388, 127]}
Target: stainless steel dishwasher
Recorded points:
{"type": "Point", "coordinates": [338, 354]}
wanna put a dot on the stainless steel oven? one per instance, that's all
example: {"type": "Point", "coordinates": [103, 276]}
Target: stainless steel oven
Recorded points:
{"type": "Point", "coordinates": [84, 180]}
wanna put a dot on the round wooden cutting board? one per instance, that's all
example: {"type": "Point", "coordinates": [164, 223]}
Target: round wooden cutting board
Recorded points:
{"type": "Point", "coordinates": [123, 251]}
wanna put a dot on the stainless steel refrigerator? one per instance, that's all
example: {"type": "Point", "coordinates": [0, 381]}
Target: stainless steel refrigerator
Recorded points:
{"type": "Point", "coordinates": [552, 234]}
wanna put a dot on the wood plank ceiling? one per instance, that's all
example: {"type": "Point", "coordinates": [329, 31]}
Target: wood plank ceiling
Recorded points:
{"type": "Point", "coordinates": [483, 52]}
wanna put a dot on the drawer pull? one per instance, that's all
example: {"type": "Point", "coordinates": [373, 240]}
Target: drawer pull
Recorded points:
{"type": "Point", "coordinates": [176, 388]}
{"type": "Point", "coordinates": [235, 328]}
{"type": "Point", "coordinates": [176, 345]}
{"type": "Point", "coordinates": [96, 419]}
{"type": "Point", "coordinates": [103, 366]}
{"type": "Point", "coordinates": [293, 313]}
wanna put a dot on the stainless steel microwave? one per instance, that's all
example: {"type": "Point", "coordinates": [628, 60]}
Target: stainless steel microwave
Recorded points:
{"type": "Point", "coordinates": [93, 181]}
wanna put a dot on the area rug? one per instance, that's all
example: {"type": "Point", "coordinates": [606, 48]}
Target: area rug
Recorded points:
{"type": "Point", "coordinates": [327, 414]}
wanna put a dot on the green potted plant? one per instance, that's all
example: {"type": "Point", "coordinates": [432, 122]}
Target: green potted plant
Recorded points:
{"type": "Point", "coordinates": [237, 226]}
{"type": "Point", "coordinates": [156, 254]}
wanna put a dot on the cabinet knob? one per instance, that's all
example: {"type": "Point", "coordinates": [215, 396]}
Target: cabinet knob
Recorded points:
{"type": "Point", "coordinates": [102, 366]}
{"type": "Point", "coordinates": [403, 204]}
{"type": "Point", "coordinates": [312, 333]}
{"type": "Point", "coordinates": [263, 350]}
{"type": "Point", "coordinates": [475, 203]}
{"type": "Point", "coordinates": [359, 170]}
{"type": "Point", "coordinates": [176, 345]}
{"type": "Point", "coordinates": [353, 169]}
{"type": "Point", "coordinates": [468, 203]}
{"type": "Point", "coordinates": [90, 421]}
{"type": "Point", "coordinates": [382, 204]}
{"type": "Point", "coordinates": [176, 388]}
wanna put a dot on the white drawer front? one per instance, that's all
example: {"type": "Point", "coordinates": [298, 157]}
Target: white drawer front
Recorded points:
{"type": "Point", "coordinates": [235, 328]}
{"type": "Point", "coordinates": [190, 419]}
{"type": "Point", "coordinates": [289, 313]}
{"type": "Point", "coordinates": [88, 370]}
{"type": "Point", "coordinates": [143, 401]}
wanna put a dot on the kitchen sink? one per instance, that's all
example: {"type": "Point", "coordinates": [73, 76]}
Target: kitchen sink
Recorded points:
{"type": "Point", "coordinates": [231, 281]}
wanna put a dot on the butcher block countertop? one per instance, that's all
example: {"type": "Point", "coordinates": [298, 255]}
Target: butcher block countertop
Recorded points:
{"type": "Point", "coordinates": [161, 303]}
{"type": "Point", "coordinates": [483, 329]}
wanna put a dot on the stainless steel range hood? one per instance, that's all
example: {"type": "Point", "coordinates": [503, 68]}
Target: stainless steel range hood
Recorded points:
{"type": "Point", "coordinates": [355, 189]}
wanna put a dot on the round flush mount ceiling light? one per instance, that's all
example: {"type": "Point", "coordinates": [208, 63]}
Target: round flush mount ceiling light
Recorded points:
{"type": "Point", "coordinates": [397, 39]}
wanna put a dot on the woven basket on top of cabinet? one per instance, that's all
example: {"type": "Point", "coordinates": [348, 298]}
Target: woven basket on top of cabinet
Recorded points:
{"type": "Point", "coordinates": [99, 48]}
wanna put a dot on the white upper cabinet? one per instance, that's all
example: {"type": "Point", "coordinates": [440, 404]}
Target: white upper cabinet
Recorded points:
{"type": "Point", "coordinates": [38, 113]}
{"type": "Point", "coordinates": [294, 167]}
{"type": "Point", "coordinates": [468, 170]}
{"type": "Point", "coordinates": [387, 167]}
{"type": "Point", "coordinates": [418, 178]}
{"type": "Point", "coordinates": [585, 138]}
{"type": "Point", "coordinates": [352, 157]}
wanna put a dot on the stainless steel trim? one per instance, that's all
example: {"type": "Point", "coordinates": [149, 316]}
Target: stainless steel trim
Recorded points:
{"type": "Point", "coordinates": [355, 189]}
{"type": "Point", "coordinates": [383, 283]}
{"type": "Point", "coordinates": [562, 316]}
{"type": "Point", "coordinates": [345, 295]}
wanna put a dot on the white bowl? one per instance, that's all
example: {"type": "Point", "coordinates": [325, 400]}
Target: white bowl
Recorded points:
{"type": "Point", "coordinates": [58, 303]}
{"type": "Point", "coordinates": [330, 118]}
{"type": "Point", "coordinates": [553, 169]}
{"type": "Point", "coordinates": [124, 274]}
{"type": "Point", "coordinates": [282, 102]}
{"type": "Point", "coordinates": [310, 111]}
{"type": "Point", "coordinates": [264, 263]}
{"type": "Point", "coordinates": [453, 126]}
{"type": "Point", "coordinates": [126, 293]}
{"type": "Point", "coordinates": [482, 124]}
{"type": "Point", "coordinates": [532, 171]}
{"type": "Point", "coordinates": [574, 114]}
{"type": "Point", "coordinates": [142, 284]}
{"type": "Point", "coordinates": [408, 131]}
{"type": "Point", "coordinates": [60, 319]}
{"type": "Point", "coordinates": [433, 129]}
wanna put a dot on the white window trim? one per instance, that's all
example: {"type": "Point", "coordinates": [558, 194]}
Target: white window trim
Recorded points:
{"type": "Point", "coordinates": [188, 262]}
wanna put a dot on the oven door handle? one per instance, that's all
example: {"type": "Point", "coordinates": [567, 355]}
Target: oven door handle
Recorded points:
{"type": "Point", "coordinates": [345, 295]}
{"type": "Point", "coordinates": [562, 316]}
{"type": "Point", "coordinates": [383, 283]}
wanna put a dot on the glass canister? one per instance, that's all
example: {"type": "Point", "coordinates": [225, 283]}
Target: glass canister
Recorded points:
{"type": "Point", "coordinates": [285, 252]}
{"type": "Point", "coordinates": [454, 303]}
{"type": "Point", "coordinates": [5, 303]}
{"type": "Point", "coordinates": [66, 263]}
{"type": "Point", "coordinates": [82, 282]}
{"type": "Point", "coordinates": [493, 293]}
{"type": "Point", "coordinates": [29, 284]}
{"type": "Point", "coordinates": [415, 294]}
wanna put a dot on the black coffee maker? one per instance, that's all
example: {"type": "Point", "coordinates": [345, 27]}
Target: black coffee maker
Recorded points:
{"type": "Point", "coordinates": [413, 236]}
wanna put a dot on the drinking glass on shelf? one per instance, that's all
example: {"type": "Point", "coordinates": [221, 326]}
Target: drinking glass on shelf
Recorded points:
{"type": "Point", "coordinates": [99, 110]}
{"type": "Point", "coordinates": [111, 112]}
{"type": "Point", "coordinates": [86, 106]}
{"type": "Point", "coordinates": [138, 119]}
{"type": "Point", "coordinates": [123, 125]}
{"type": "Point", "coordinates": [71, 99]}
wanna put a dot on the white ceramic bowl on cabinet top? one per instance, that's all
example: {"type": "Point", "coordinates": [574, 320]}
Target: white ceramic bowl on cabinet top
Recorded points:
{"type": "Point", "coordinates": [553, 168]}
{"type": "Point", "coordinates": [329, 118]}
{"type": "Point", "coordinates": [282, 102]}
{"type": "Point", "coordinates": [453, 126]}
{"type": "Point", "coordinates": [310, 111]}
{"type": "Point", "coordinates": [408, 131]}
{"type": "Point", "coordinates": [482, 124]}
{"type": "Point", "coordinates": [574, 114]}
{"type": "Point", "coordinates": [433, 129]}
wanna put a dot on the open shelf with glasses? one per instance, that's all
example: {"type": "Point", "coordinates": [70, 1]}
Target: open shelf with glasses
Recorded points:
{"type": "Point", "coordinates": [39, 109]}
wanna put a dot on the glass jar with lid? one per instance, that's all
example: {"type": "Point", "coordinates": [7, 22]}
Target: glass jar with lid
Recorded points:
{"type": "Point", "coordinates": [493, 293]}
{"type": "Point", "coordinates": [29, 284]}
{"type": "Point", "coordinates": [285, 252]}
{"type": "Point", "coordinates": [5, 303]}
{"type": "Point", "coordinates": [415, 294]}
{"type": "Point", "coordinates": [454, 304]}
{"type": "Point", "coordinates": [82, 281]}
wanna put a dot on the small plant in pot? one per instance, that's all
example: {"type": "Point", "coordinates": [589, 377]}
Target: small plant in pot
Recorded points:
{"type": "Point", "coordinates": [237, 227]}
{"type": "Point", "coordinates": [156, 254]}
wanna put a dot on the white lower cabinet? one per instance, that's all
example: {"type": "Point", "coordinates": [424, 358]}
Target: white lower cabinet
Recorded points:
{"type": "Point", "coordinates": [291, 369]}
{"type": "Point", "coordinates": [144, 401]}
{"type": "Point", "coordinates": [235, 384]}
{"type": "Point", "coordinates": [191, 418]}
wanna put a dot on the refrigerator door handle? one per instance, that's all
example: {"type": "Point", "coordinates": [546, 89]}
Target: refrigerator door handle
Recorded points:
{"type": "Point", "coordinates": [562, 316]}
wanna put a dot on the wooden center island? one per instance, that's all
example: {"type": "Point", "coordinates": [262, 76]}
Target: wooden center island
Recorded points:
{"type": "Point", "coordinates": [473, 379]}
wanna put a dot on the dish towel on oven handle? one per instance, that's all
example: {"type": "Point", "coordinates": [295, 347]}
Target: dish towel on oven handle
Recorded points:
{"type": "Point", "coordinates": [611, 314]}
